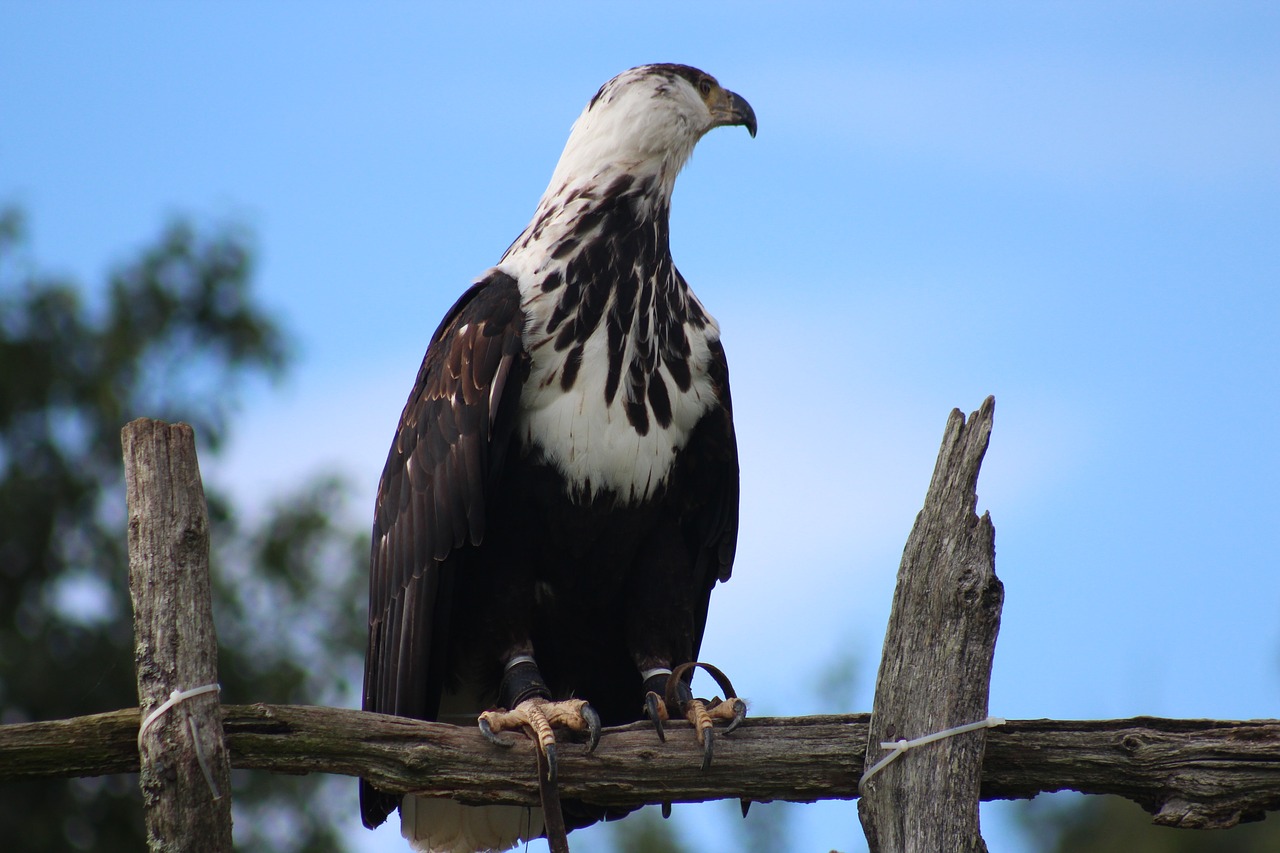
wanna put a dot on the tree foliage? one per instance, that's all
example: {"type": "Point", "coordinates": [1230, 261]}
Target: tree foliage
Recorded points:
{"type": "Point", "coordinates": [176, 336]}
{"type": "Point", "coordinates": [1076, 824]}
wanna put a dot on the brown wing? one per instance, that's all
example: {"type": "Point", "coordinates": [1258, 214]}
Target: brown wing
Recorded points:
{"type": "Point", "coordinates": [446, 455]}
{"type": "Point", "coordinates": [711, 476]}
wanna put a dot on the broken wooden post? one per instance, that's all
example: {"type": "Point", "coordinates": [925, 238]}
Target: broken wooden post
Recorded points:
{"type": "Point", "coordinates": [185, 771]}
{"type": "Point", "coordinates": [936, 670]}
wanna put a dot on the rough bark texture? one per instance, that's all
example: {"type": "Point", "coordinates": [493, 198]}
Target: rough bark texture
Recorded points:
{"type": "Point", "coordinates": [936, 668]}
{"type": "Point", "coordinates": [1190, 773]}
{"type": "Point", "coordinates": [185, 772]}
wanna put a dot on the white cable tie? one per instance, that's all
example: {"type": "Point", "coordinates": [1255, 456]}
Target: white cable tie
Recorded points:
{"type": "Point", "coordinates": [175, 698]}
{"type": "Point", "coordinates": [200, 759]}
{"type": "Point", "coordinates": [650, 673]}
{"type": "Point", "coordinates": [898, 747]}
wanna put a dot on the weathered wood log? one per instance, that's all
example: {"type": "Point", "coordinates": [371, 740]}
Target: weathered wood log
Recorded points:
{"type": "Point", "coordinates": [935, 672]}
{"type": "Point", "coordinates": [185, 772]}
{"type": "Point", "coordinates": [1190, 773]}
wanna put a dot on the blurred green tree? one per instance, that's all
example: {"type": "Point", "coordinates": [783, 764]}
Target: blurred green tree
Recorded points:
{"type": "Point", "coordinates": [1079, 824]}
{"type": "Point", "coordinates": [645, 831]}
{"type": "Point", "coordinates": [177, 336]}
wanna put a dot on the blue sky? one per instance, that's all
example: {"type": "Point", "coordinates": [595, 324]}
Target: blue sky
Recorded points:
{"type": "Point", "coordinates": [1072, 206]}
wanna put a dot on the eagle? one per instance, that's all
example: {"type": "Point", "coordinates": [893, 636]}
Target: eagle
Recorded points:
{"type": "Point", "coordinates": [561, 494]}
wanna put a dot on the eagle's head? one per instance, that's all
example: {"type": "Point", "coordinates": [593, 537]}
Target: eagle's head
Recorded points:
{"type": "Point", "coordinates": [647, 120]}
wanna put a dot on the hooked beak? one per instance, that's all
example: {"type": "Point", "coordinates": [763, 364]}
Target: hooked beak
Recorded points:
{"type": "Point", "coordinates": [731, 108]}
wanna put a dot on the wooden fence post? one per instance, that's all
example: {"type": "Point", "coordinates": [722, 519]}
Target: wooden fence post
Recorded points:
{"type": "Point", "coordinates": [936, 670]}
{"type": "Point", "coordinates": [185, 770]}
{"type": "Point", "coordinates": [1189, 773]}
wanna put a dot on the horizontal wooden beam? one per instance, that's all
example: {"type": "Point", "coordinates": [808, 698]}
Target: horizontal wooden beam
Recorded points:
{"type": "Point", "coordinates": [1188, 773]}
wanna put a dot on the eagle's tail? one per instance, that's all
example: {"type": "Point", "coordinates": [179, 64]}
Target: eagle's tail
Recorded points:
{"type": "Point", "coordinates": [435, 825]}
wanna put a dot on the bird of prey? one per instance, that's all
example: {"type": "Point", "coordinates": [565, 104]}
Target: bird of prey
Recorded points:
{"type": "Point", "coordinates": [561, 494]}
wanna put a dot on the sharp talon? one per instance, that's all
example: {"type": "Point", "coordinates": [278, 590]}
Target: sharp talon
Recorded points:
{"type": "Point", "coordinates": [708, 746]}
{"type": "Point", "coordinates": [651, 708]}
{"type": "Point", "coordinates": [489, 734]}
{"type": "Point", "coordinates": [593, 727]}
{"type": "Point", "coordinates": [746, 806]}
{"type": "Point", "coordinates": [666, 810]}
{"type": "Point", "coordinates": [739, 714]}
{"type": "Point", "coordinates": [550, 752]}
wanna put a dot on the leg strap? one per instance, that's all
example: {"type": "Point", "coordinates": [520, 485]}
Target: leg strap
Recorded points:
{"type": "Point", "coordinates": [521, 681]}
{"type": "Point", "coordinates": [660, 681]}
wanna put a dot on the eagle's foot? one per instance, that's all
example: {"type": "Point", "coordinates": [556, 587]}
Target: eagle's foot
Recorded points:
{"type": "Point", "coordinates": [540, 717]}
{"type": "Point", "coordinates": [702, 713]}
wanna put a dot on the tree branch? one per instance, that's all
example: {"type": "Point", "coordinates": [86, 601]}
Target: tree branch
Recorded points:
{"type": "Point", "coordinates": [935, 671]}
{"type": "Point", "coordinates": [1189, 773]}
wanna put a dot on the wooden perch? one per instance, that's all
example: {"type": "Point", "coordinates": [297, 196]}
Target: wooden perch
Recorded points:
{"type": "Point", "coordinates": [185, 775]}
{"type": "Point", "coordinates": [935, 671]}
{"type": "Point", "coordinates": [1189, 773]}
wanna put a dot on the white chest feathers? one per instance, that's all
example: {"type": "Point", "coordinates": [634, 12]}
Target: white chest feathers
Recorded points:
{"type": "Point", "coordinates": [611, 407]}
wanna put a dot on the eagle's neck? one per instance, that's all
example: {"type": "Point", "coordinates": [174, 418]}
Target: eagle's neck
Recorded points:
{"type": "Point", "coordinates": [619, 344]}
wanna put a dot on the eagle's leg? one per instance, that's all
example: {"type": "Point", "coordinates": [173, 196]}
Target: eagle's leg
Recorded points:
{"type": "Point", "coordinates": [665, 688]}
{"type": "Point", "coordinates": [526, 694]}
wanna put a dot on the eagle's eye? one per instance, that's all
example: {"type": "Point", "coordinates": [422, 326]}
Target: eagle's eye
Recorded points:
{"type": "Point", "coordinates": [704, 87]}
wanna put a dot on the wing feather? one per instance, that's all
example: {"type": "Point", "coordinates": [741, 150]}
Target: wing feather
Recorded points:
{"type": "Point", "coordinates": [711, 474]}
{"type": "Point", "coordinates": [431, 500]}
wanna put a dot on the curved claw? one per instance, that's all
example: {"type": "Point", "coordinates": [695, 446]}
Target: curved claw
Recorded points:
{"type": "Point", "coordinates": [708, 746]}
{"type": "Point", "coordinates": [551, 763]}
{"type": "Point", "coordinates": [593, 727]}
{"type": "Point", "coordinates": [739, 714]}
{"type": "Point", "coordinates": [651, 708]}
{"type": "Point", "coordinates": [492, 737]}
